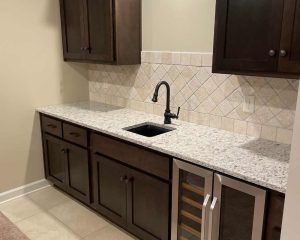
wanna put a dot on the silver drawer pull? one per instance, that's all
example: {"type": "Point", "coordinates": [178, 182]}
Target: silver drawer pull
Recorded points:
{"type": "Point", "coordinates": [204, 216]}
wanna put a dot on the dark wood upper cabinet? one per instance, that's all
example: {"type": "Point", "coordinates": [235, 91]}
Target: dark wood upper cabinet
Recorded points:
{"type": "Point", "coordinates": [101, 31]}
{"type": "Point", "coordinates": [290, 38]}
{"type": "Point", "coordinates": [257, 37]}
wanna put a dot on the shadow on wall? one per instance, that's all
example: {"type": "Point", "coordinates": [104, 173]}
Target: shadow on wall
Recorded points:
{"type": "Point", "coordinates": [69, 83]}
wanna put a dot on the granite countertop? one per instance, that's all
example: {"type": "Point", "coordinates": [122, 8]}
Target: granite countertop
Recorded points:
{"type": "Point", "coordinates": [262, 162]}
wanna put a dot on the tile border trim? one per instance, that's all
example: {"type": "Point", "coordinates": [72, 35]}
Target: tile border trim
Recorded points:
{"type": "Point", "coordinates": [23, 190]}
{"type": "Point", "coordinates": [198, 59]}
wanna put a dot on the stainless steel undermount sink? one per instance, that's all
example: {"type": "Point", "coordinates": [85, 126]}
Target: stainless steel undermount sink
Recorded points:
{"type": "Point", "coordinates": [149, 129]}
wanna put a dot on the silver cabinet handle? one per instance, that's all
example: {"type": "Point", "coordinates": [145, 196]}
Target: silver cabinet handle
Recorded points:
{"type": "Point", "coordinates": [211, 215]}
{"type": "Point", "coordinates": [204, 216]}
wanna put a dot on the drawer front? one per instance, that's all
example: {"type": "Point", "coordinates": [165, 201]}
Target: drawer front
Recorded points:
{"type": "Point", "coordinates": [52, 126]}
{"type": "Point", "coordinates": [75, 134]}
{"type": "Point", "coordinates": [147, 161]}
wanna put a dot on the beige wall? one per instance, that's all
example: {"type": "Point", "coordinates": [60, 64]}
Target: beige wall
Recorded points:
{"type": "Point", "coordinates": [178, 25]}
{"type": "Point", "coordinates": [32, 74]}
{"type": "Point", "coordinates": [291, 220]}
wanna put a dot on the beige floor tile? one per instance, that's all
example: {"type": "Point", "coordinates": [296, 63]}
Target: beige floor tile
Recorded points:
{"type": "Point", "coordinates": [43, 226]}
{"type": "Point", "coordinates": [48, 197]}
{"type": "Point", "coordinates": [19, 209]}
{"type": "Point", "coordinates": [109, 233]}
{"type": "Point", "coordinates": [78, 218]}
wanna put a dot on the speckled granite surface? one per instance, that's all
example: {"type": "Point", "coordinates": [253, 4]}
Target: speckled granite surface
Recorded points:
{"type": "Point", "coordinates": [258, 161]}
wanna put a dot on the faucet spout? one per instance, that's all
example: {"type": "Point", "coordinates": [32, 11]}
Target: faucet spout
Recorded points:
{"type": "Point", "coordinates": [168, 114]}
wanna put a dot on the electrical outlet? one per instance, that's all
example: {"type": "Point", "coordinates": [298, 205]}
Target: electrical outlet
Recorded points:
{"type": "Point", "coordinates": [248, 105]}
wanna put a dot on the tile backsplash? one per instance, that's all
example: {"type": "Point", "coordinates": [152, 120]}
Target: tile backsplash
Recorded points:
{"type": "Point", "coordinates": [215, 100]}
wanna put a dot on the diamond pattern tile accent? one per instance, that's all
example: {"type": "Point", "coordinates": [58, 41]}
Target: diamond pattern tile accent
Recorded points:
{"type": "Point", "coordinates": [210, 99]}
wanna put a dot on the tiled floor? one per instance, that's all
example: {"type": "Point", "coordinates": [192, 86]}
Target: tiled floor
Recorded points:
{"type": "Point", "coordinates": [49, 214]}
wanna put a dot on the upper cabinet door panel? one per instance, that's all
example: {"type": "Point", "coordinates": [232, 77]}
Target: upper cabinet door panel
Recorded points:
{"type": "Point", "coordinates": [290, 39]}
{"type": "Point", "coordinates": [100, 24]}
{"type": "Point", "coordinates": [72, 28]}
{"type": "Point", "coordinates": [245, 33]}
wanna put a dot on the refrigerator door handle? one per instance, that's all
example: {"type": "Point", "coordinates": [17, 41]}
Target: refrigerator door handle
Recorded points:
{"type": "Point", "coordinates": [211, 218]}
{"type": "Point", "coordinates": [204, 217]}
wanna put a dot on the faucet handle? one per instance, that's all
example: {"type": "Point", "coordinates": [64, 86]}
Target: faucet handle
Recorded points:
{"type": "Point", "coordinates": [178, 111]}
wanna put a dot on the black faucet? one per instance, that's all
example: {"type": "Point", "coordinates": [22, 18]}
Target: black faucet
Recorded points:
{"type": "Point", "coordinates": [168, 114]}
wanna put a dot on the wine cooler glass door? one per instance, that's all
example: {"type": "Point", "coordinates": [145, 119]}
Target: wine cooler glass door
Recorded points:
{"type": "Point", "coordinates": [192, 193]}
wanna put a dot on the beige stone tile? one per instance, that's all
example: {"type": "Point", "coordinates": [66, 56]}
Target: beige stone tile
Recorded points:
{"type": "Point", "coordinates": [186, 92]}
{"type": "Point", "coordinates": [286, 118]}
{"type": "Point", "coordinates": [179, 99]}
{"type": "Point", "coordinates": [203, 119]}
{"type": "Point", "coordinates": [185, 59]}
{"type": "Point", "coordinates": [201, 94]}
{"type": "Point", "coordinates": [207, 59]}
{"type": "Point", "coordinates": [187, 73]}
{"type": "Point", "coordinates": [19, 209]}
{"type": "Point", "coordinates": [268, 132]}
{"type": "Point", "coordinates": [215, 121]}
{"type": "Point", "coordinates": [192, 103]}
{"type": "Point", "coordinates": [206, 106]}
{"type": "Point", "coordinates": [289, 97]}
{"type": "Point", "coordinates": [173, 73]}
{"type": "Point", "coordinates": [81, 220]}
{"type": "Point", "coordinates": [166, 58]}
{"type": "Point", "coordinates": [175, 58]}
{"type": "Point", "coordinates": [227, 124]}
{"type": "Point", "coordinates": [284, 136]}
{"type": "Point", "coordinates": [218, 96]}
{"type": "Point", "coordinates": [225, 107]}
{"type": "Point", "coordinates": [227, 87]}
{"type": "Point", "coordinates": [203, 75]}
{"type": "Point", "coordinates": [196, 59]}
{"type": "Point", "coordinates": [253, 129]}
{"type": "Point", "coordinates": [210, 86]}
{"type": "Point", "coordinates": [240, 127]}
{"type": "Point", "coordinates": [110, 233]}
{"type": "Point", "coordinates": [155, 57]}
{"type": "Point", "coordinates": [48, 197]}
{"type": "Point", "coordinates": [43, 226]}
{"type": "Point", "coordinates": [194, 84]}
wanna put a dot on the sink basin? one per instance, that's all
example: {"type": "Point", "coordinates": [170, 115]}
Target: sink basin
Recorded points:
{"type": "Point", "coordinates": [149, 129]}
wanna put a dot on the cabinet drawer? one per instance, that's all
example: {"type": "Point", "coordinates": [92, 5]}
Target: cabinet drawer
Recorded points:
{"type": "Point", "coordinates": [147, 161]}
{"type": "Point", "coordinates": [75, 134]}
{"type": "Point", "coordinates": [52, 126]}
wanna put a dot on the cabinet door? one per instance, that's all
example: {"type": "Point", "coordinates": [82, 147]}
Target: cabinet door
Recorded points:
{"type": "Point", "coordinates": [73, 30]}
{"type": "Point", "coordinates": [148, 206]}
{"type": "Point", "coordinates": [78, 172]}
{"type": "Point", "coordinates": [247, 35]}
{"type": "Point", "coordinates": [100, 26]}
{"type": "Point", "coordinates": [289, 60]}
{"type": "Point", "coordinates": [54, 158]}
{"type": "Point", "coordinates": [237, 210]}
{"type": "Point", "coordinates": [109, 188]}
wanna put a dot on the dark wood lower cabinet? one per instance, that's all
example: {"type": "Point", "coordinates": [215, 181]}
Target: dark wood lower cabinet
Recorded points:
{"type": "Point", "coordinates": [148, 209]}
{"type": "Point", "coordinates": [131, 186]}
{"type": "Point", "coordinates": [77, 164]}
{"type": "Point", "coordinates": [131, 198]}
{"type": "Point", "coordinates": [55, 169]}
{"type": "Point", "coordinates": [109, 188]}
{"type": "Point", "coordinates": [67, 167]}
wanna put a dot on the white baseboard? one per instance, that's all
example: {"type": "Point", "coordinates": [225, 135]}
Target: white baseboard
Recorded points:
{"type": "Point", "coordinates": [23, 190]}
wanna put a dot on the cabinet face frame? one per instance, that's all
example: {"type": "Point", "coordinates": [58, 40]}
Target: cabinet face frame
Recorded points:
{"type": "Point", "coordinates": [207, 175]}
{"type": "Point", "coordinates": [259, 207]}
